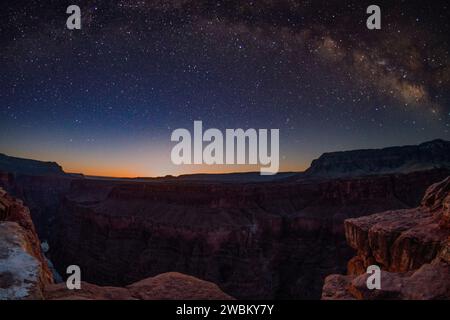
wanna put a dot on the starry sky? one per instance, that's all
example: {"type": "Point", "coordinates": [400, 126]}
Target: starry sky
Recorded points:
{"type": "Point", "coordinates": [105, 99]}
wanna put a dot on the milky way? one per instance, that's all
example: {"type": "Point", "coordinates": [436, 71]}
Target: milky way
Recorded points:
{"type": "Point", "coordinates": [104, 99]}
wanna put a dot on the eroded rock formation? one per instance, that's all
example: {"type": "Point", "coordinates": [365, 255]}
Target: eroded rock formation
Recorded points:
{"type": "Point", "coordinates": [411, 247]}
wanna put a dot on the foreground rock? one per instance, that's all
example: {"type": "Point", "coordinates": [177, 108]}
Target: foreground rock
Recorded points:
{"type": "Point", "coordinates": [23, 269]}
{"type": "Point", "coordinates": [166, 286]}
{"type": "Point", "coordinates": [412, 247]}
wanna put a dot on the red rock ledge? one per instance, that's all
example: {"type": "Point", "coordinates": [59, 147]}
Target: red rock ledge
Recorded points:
{"type": "Point", "coordinates": [412, 248]}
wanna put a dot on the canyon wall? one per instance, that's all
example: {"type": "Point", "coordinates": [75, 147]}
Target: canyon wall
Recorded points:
{"type": "Point", "coordinates": [425, 156]}
{"type": "Point", "coordinates": [264, 240]}
{"type": "Point", "coordinates": [29, 167]}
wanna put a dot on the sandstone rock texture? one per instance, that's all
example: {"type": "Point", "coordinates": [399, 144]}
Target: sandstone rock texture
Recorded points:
{"type": "Point", "coordinates": [411, 246]}
{"type": "Point", "coordinates": [166, 286]}
{"type": "Point", "coordinates": [23, 269]}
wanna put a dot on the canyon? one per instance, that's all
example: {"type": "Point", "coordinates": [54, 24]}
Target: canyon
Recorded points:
{"type": "Point", "coordinates": [25, 272]}
{"type": "Point", "coordinates": [273, 239]}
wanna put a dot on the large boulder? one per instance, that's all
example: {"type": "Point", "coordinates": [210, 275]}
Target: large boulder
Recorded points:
{"type": "Point", "coordinates": [166, 286]}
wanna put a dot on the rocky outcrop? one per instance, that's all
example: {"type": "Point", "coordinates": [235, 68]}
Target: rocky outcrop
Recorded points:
{"type": "Point", "coordinates": [429, 282]}
{"type": "Point", "coordinates": [23, 269]}
{"type": "Point", "coordinates": [411, 247]}
{"type": "Point", "coordinates": [166, 286]}
{"type": "Point", "coordinates": [428, 155]}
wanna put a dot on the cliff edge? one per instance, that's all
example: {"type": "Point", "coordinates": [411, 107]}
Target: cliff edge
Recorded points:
{"type": "Point", "coordinates": [411, 246]}
{"type": "Point", "coordinates": [23, 269]}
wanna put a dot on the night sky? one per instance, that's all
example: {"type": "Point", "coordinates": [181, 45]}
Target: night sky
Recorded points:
{"type": "Point", "coordinates": [104, 100]}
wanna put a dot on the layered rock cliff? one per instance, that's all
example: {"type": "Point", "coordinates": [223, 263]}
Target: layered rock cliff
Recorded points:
{"type": "Point", "coordinates": [41, 194]}
{"type": "Point", "coordinates": [410, 246]}
{"type": "Point", "coordinates": [425, 156]}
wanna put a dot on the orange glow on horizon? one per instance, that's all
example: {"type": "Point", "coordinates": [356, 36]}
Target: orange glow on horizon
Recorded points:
{"type": "Point", "coordinates": [105, 171]}
{"type": "Point", "coordinates": [124, 166]}
{"type": "Point", "coordinates": [102, 172]}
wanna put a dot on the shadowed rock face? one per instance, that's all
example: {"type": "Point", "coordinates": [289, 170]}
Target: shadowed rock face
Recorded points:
{"type": "Point", "coordinates": [274, 240]}
{"type": "Point", "coordinates": [428, 155]}
{"type": "Point", "coordinates": [411, 247]}
{"type": "Point", "coordinates": [41, 194]}
{"type": "Point", "coordinates": [23, 269]}
{"type": "Point", "coordinates": [29, 167]}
